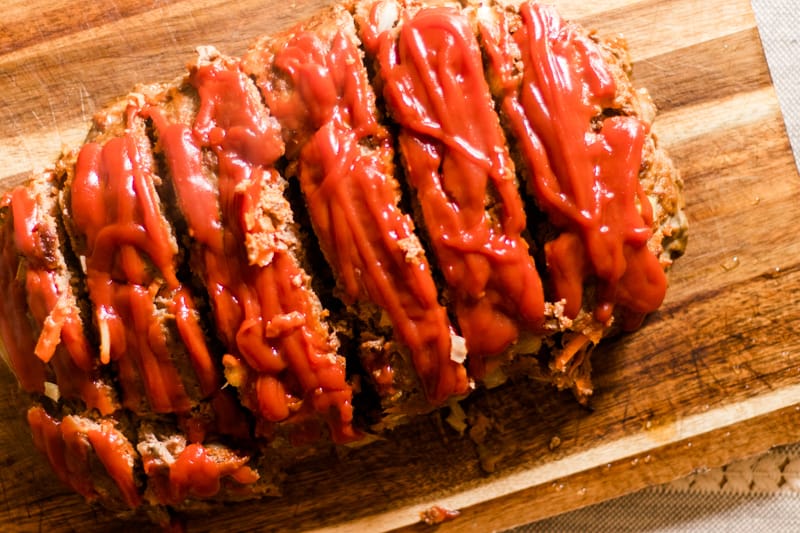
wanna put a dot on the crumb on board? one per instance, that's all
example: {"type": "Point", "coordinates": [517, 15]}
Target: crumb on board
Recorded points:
{"type": "Point", "coordinates": [436, 514]}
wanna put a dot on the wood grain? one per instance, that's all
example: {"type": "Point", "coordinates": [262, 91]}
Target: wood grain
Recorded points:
{"type": "Point", "coordinates": [713, 376]}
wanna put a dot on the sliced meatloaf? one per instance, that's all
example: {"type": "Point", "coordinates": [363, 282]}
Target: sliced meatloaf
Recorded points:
{"type": "Point", "coordinates": [611, 198]}
{"type": "Point", "coordinates": [363, 219]}
{"type": "Point", "coordinates": [45, 313]}
{"type": "Point", "coordinates": [219, 147]}
{"type": "Point", "coordinates": [457, 163]}
{"type": "Point", "coordinates": [148, 326]}
{"type": "Point", "coordinates": [181, 473]}
{"type": "Point", "coordinates": [92, 457]}
{"type": "Point", "coordinates": [314, 81]}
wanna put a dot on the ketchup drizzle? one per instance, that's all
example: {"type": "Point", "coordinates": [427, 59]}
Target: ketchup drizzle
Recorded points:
{"type": "Point", "coordinates": [128, 250]}
{"type": "Point", "coordinates": [455, 157]}
{"type": "Point", "coordinates": [39, 302]}
{"type": "Point", "coordinates": [263, 311]}
{"type": "Point", "coordinates": [584, 177]}
{"type": "Point", "coordinates": [16, 329]}
{"type": "Point", "coordinates": [345, 172]}
{"type": "Point", "coordinates": [67, 447]}
{"type": "Point", "coordinates": [197, 474]}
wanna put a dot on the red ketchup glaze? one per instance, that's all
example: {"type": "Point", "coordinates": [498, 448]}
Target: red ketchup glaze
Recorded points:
{"type": "Point", "coordinates": [455, 155]}
{"type": "Point", "coordinates": [16, 330]}
{"type": "Point", "coordinates": [61, 342]}
{"type": "Point", "coordinates": [116, 454]}
{"type": "Point", "coordinates": [196, 474]}
{"type": "Point", "coordinates": [352, 200]}
{"type": "Point", "coordinates": [47, 438]}
{"type": "Point", "coordinates": [68, 448]}
{"type": "Point", "coordinates": [128, 249]}
{"type": "Point", "coordinates": [586, 180]}
{"type": "Point", "coordinates": [263, 312]}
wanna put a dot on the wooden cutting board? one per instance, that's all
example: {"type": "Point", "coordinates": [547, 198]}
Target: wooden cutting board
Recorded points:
{"type": "Point", "coordinates": [713, 376]}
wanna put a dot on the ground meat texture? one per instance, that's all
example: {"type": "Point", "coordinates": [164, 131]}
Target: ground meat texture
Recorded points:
{"type": "Point", "coordinates": [178, 470]}
{"type": "Point", "coordinates": [584, 173]}
{"type": "Point", "coordinates": [65, 363]}
{"type": "Point", "coordinates": [92, 457]}
{"type": "Point", "coordinates": [146, 317]}
{"type": "Point", "coordinates": [606, 268]}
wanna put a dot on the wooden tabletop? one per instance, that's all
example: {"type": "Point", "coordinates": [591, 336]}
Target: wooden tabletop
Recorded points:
{"type": "Point", "coordinates": [713, 376]}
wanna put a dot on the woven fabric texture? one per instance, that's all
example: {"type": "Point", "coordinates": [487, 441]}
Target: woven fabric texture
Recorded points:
{"type": "Point", "coordinates": [779, 26]}
{"type": "Point", "coordinates": [669, 511]}
{"type": "Point", "coordinates": [758, 494]}
{"type": "Point", "coordinates": [777, 471]}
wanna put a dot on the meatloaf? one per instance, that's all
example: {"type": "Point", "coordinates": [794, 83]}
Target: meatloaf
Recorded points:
{"type": "Point", "coordinates": [314, 81]}
{"type": "Point", "coordinates": [364, 218]}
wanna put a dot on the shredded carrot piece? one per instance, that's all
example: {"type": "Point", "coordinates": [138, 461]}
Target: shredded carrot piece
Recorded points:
{"type": "Point", "coordinates": [105, 341]}
{"type": "Point", "coordinates": [575, 345]}
{"type": "Point", "coordinates": [50, 336]}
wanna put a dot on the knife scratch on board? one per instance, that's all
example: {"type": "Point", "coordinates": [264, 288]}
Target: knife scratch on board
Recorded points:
{"type": "Point", "coordinates": [86, 102]}
{"type": "Point", "coordinates": [756, 374]}
{"type": "Point", "coordinates": [698, 361]}
{"type": "Point", "coordinates": [53, 121]}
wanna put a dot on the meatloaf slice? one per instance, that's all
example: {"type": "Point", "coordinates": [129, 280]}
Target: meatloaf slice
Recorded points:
{"type": "Point", "coordinates": [43, 303]}
{"type": "Point", "coordinates": [148, 325]}
{"type": "Point", "coordinates": [92, 456]}
{"type": "Point", "coordinates": [16, 327]}
{"type": "Point", "coordinates": [456, 159]}
{"type": "Point", "coordinates": [581, 134]}
{"type": "Point", "coordinates": [546, 217]}
{"type": "Point", "coordinates": [315, 83]}
{"type": "Point", "coordinates": [219, 147]}
{"type": "Point", "coordinates": [180, 473]}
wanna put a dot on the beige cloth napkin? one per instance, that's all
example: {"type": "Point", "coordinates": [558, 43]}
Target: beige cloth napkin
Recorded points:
{"type": "Point", "coordinates": [779, 25]}
{"type": "Point", "coordinates": [748, 496]}
{"type": "Point", "coordinates": [760, 494]}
